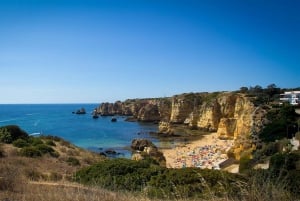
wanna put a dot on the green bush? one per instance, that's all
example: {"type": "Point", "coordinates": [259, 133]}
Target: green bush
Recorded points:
{"type": "Point", "coordinates": [35, 141]}
{"type": "Point", "coordinates": [282, 120]}
{"type": "Point", "coordinates": [5, 136]}
{"type": "Point", "coordinates": [10, 133]}
{"type": "Point", "coordinates": [30, 152]}
{"type": "Point", "coordinates": [245, 164]}
{"type": "Point", "coordinates": [282, 163]}
{"type": "Point", "coordinates": [123, 174]}
{"type": "Point", "coordinates": [44, 149]}
{"type": "Point", "coordinates": [283, 166]}
{"type": "Point", "coordinates": [20, 143]}
{"type": "Point", "coordinates": [193, 182]}
{"type": "Point", "coordinates": [156, 181]}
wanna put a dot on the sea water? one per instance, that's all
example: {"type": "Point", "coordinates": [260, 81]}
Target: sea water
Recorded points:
{"type": "Point", "coordinates": [82, 130]}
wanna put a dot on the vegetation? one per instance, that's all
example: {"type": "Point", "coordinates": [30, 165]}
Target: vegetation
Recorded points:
{"type": "Point", "coordinates": [155, 181]}
{"type": "Point", "coordinates": [10, 133]}
{"type": "Point", "coordinates": [282, 124]}
{"type": "Point", "coordinates": [73, 161]}
{"type": "Point", "coordinates": [122, 179]}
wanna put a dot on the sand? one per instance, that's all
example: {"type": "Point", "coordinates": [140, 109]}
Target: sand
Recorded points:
{"type": "Point", "coordinates": [207, 152]}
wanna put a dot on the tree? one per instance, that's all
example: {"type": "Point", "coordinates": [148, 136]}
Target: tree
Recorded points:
{"type": "Point", "coordinates": [244, 89]}
{"type": "Point", "coordinates": [272, 90]}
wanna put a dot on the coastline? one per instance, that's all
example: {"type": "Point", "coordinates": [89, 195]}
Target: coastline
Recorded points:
{"type": "Point", "coordinates": [206, 152]}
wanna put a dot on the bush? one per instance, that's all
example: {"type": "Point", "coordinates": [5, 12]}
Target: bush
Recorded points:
{"type": "Point", "coordinates": [282, 163]}
{"type": "Point", "coordinates": [282, 122]}
{"type": "Point", "coordinates": [44, 149]}
{"type": "Point", "coordinates": [192, 182]}
{"type": "Point", "coordinates": [10, 133]}
{"type": "Point", "coordinates": [5, 136]}
{"type": "Point", "coordinates": [245, 164]}
{"type": "Point", "coordinates": [35, 141]}
{"type": "Point", "coordinates": [30, 152]}
{"type": "Point", "coordinates": [156, 181]}
{"type": "Point", "coordinates": [122, 174]}
{"type": "Point", "coordinates": [20, 143]}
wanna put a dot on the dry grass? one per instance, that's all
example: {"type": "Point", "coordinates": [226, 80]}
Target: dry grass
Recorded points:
{"type": "Point", "coordinates": [46, 179]}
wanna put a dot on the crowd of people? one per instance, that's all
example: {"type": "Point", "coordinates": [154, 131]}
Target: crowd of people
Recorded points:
{"type": "Point", "coordinates": [208, 153]}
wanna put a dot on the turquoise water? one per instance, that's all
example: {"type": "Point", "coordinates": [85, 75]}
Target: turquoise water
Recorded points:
{"type": "Point", "coordinates": [82, 130]}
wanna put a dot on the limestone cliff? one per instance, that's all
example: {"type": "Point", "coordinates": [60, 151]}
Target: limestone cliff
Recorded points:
{"type": "Point", "coordinates": [147, 110]}
{"type": "Point", "coordinates": [232, 115]}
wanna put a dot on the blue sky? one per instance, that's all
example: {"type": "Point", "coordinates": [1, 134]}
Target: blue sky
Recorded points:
{"type": "Point", "coordinates": [75, 51]}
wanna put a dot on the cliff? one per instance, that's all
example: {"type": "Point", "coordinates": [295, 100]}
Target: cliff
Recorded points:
{"type": "Point", "coordinates": [146, 110]}
{"type": "Point", "coordinates": [232, 115]}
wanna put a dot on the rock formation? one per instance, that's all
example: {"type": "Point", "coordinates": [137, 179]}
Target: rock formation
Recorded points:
{"type": "Point", "coordinates": [81, 111]}
{"type": "Point", "coordinates": [145, 148]}
{"type": "Point", "coordinates": [146, 110]}
{"type": "Point", "coordinates": [232, 115]}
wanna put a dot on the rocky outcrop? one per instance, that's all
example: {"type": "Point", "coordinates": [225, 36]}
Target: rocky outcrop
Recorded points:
{"type": "Point", "coordinates": [232, 115]}
{"type": "Point", "coordinates": [146, 110]}
{"type": "Point", "coordinates": [81, 111]}
{"type": "Point", "coordinates": [144, 148]}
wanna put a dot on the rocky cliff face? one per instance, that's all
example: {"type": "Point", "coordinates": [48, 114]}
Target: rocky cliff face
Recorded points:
{"type": "Point", "coordinates": [231, 115]}
{"type": "Point", "coordinates": [147, 110]}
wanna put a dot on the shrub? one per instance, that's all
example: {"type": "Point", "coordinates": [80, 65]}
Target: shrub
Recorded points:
{"type": "Point", "coordinates": [44, 149]}
{"type": "Point", "coordinates": [30, 152]}
{"type": "Point", "coordinates": [156, 181]}
{"type": "Point", "coordinates": [5, 136]}
{"type": "Point", "coordinates": [20, 143]}
{"type": "Point", "coordinates": [192, 182]}
{"type": "Point", "coordinates": [122, 174]}
{"type": "Point", "coordinates": [11, 133]}
{"type": "Point", "coordinates": [282, 120]}
{"type": "Point", "coordinates": [35, 141]}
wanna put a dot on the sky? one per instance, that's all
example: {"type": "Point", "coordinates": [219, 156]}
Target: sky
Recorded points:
{"type": "Point", "coordinates": [92, 51]}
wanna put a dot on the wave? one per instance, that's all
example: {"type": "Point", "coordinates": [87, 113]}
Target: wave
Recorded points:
{"type": "Point", "coordinates": [34, 134]}
{"type": "Point", "coordinates": [30, 114]}
{"type": "Point", "coordinates": [8, 120]}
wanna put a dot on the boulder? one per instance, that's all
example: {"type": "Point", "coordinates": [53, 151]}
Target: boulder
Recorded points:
{"type": "Point", "coordinates": [81, 111]}
{"type": "Point", "coordinates": [144, 148]}
{"type": "Point", "coordinates": [140, 144]}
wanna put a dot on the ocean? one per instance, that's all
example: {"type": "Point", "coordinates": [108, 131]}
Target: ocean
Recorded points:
{"type": "Point", "coordinates": [82, 130]}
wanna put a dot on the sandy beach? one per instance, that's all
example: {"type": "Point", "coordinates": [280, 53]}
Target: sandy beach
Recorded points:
{"type": "Point", "coordinates": [207, 152]}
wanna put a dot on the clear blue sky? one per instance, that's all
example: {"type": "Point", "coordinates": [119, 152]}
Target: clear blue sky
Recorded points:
{"type": "Point", "coordinates": [68, 51]}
